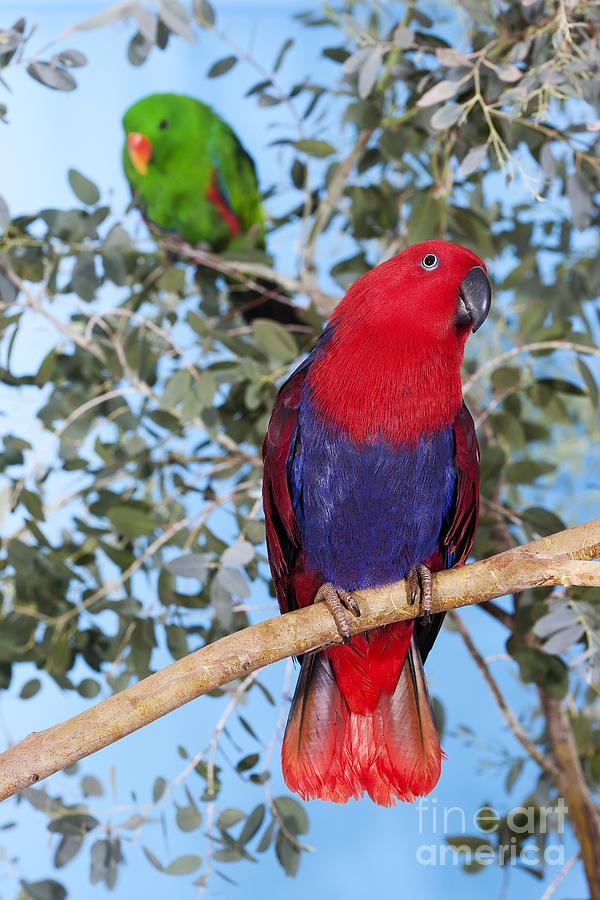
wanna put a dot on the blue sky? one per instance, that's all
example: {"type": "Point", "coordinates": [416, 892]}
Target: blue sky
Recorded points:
{"type": "Point", "coordinates": [360, 848]}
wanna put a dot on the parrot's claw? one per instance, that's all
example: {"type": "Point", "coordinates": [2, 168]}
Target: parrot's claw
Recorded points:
{"type": "Point", "coordinates": [413, 585]}
{"type": "Point", "coordinates": [419, 582]}
{"type": "Point", "coordinates": [336, 599]}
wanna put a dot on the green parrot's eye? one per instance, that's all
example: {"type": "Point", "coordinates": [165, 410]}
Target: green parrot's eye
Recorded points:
{"type": "Point", "coordinates": [430, 261]}
{"type": "Point", "coordinates": [163, 124]}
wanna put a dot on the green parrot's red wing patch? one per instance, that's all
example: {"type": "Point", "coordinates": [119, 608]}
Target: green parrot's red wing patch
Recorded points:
{"type": "Point", "coordinates": [215, 195]}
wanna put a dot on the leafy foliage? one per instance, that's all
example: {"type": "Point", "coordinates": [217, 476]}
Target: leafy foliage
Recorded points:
{"type": "Point", "coordinates": [154, 397]}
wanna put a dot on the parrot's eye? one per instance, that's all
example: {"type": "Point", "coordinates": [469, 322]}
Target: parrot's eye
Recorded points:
{"type": "Point", "coordinates": [162, 125]}
{"type": "Point", "coordinates": [430, 261]}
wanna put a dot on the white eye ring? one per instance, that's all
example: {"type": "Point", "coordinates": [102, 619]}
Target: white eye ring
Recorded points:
{"type": "Point", "coordinates": [429, 262]}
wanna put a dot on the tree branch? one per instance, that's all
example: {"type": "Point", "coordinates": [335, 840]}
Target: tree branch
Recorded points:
{"type": "Point", "coordinates": [509, 717]}
{"type": "Point", "coordinates": [327, 206]}
{"type": "Point", "coordinates": [556, 881]}
{"type": "Point", "coordinates": [572, 786]}
{"type": "Point", "coordinates": [563, 558]}
{"type": "Point", "coordinates": [501, 615]}
{"type": "Point", "coordinates": [241, 270]}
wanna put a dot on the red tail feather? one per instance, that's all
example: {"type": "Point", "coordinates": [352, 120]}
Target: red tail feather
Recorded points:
{"type": "Point", "coordinates": [362, 721]}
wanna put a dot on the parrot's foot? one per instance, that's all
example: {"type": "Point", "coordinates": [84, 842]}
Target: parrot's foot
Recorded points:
{"type": "Point", "coordinates": [336, 599]}
{"type": "Point", "coordinates": [419, 582]}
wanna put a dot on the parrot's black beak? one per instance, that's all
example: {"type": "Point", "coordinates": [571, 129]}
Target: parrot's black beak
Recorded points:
{"type": "Point", "coordinates": [474, 298]}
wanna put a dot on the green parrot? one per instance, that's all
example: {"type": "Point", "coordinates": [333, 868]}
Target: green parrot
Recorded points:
{"type": "Point", "coordinates": [189, 174]}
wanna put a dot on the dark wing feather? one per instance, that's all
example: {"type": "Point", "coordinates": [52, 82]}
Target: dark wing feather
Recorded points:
{"type": "Point", "coordinates": [283, 537]}
{"type": "Point", "coordinates": [460, 522]}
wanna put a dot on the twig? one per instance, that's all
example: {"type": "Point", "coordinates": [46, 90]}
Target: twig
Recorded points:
{"type": "Point", "coordinates": [240, 270]}
{"type": "Point", "coordinates": [150, 550]}
{"type": "Point", "coordinates": [229, 709]}
{"type": "Point", "coordinates": [144, 322]}
{"type": "Point", "coordinates": [492, 364]}
{"type": "Point", "coordinates": [210, 768]}
{"type": "Point", "coordinates": [283, 707]}
{"type": "Point", "coordinates": [34, 303]}
{"type": "Point", "coordinates": [98, 400]}
{"type": "Point", "coordinates": [509, 717]}
{"type": "Point", "coordinates": [556, 881]}
{"type": "Point", "coordinates": [338, 183]}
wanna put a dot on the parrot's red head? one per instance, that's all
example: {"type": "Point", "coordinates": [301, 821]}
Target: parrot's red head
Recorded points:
{"type": "Point", "coordinates": [140, 151]}
{"type": "Point", "coordinates": [433, 290]}
{"type": "Point", "coordinates": [391, 364]}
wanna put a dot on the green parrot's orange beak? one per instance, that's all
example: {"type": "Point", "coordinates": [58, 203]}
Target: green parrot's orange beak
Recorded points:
{"type": "Point", "coordinates": [140, 151]}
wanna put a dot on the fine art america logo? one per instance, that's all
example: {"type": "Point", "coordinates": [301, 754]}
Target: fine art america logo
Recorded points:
{"type": "Point", "coordinates": [485, 837]}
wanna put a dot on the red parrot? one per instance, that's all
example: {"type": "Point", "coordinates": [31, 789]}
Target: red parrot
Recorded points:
{"type": "Point", "coordinates": [371, 474]}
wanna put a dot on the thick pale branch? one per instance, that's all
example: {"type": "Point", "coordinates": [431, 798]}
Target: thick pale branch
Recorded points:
{"type": "Point", "coordinates": [563, 558]}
